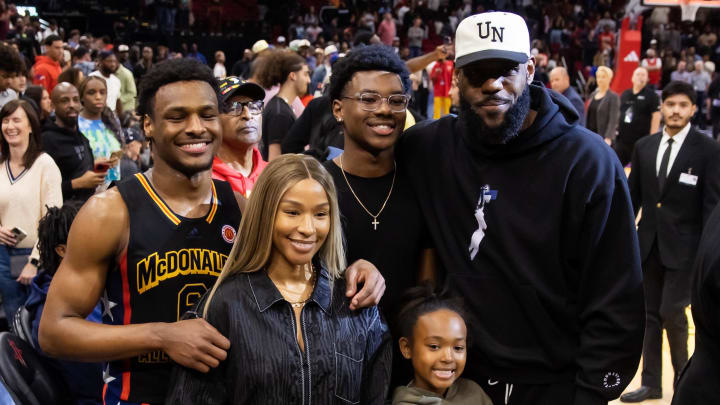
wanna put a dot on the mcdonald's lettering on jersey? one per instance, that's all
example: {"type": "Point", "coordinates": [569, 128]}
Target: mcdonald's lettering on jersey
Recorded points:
{"type": "Point", "coordinates": [157, 356]}
{"type": "Point", "coordinates": [155, 268]}
{"type": "Point", "coordinates": [497, 32]}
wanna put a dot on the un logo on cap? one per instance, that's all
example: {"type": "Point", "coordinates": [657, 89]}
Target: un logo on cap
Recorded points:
{"type": "Point", "coordinates": [497, 32]}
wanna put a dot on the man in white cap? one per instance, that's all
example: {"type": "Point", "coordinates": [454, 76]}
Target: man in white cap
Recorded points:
{"type": "Point", "coordinates": [532, 222]}
{"type": "Point", "coordinates": [259, 47]}
{"type": "Point", "coordinates": [321, 74]}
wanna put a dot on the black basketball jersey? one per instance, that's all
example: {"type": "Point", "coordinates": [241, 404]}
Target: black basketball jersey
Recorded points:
{"type": "Point", "coordinates": [169, 263]}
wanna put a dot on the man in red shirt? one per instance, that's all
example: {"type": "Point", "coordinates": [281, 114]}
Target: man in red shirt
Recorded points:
{"type": "Point", "coordinates": [47, 67]}
{"type": "Point", "coordinates": [238, 160]}
{"type": "Point", "coordinates": [606, 37]}
{"type": "Point", "coordinates": [653, 64]}
{"type": "Point", "coordinates": [441, 74]}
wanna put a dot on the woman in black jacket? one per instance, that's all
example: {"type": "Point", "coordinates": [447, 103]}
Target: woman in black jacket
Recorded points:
{"type": "Point", "coordinates": [603, 109]}
{"type": "Point", "coordinates": [278, 300]}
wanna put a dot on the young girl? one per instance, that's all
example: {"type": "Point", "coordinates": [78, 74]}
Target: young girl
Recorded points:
{"type": "Point", "coordinates": [434, 338]}
{"type": "Point", "coordinates": [280, 303]}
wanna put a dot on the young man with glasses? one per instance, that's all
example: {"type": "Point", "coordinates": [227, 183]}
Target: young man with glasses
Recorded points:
{"type": "Point", "coordinates": [382, 219]}
{"type": "Point", "coordinates": [238, 160]}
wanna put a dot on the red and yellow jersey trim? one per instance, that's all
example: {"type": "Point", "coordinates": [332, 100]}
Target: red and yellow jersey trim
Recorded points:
{"type": "Point", "coordinates": [167, 211]}
{"type": "Point", "coordinates": [214, 207]}
{"type": "Point", "coordinates": [158, 201]}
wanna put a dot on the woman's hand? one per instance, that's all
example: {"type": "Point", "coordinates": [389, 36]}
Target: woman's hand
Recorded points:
{"type": "Point", "coordinates": [28, 274]}
{"type": "Point", "coordinates": [7, 237]}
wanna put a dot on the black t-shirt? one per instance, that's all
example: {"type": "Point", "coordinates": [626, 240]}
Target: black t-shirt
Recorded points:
{"type": "Point", "coordinates": [278, 117]}
{"type": "Point", "coordinates": [394, 248]}
{"type": "Point", "coordinates": [636, 112]}
{"type": "Point", "coordinates": [316, 127]}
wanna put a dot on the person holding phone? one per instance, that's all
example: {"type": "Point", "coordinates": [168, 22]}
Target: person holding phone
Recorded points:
{"type": "Point", "coordinates": [69, 148]}
{"type": "Point", "coordinates": [29, 183]}
{"type": "Point", "coordinates": [100, 126]}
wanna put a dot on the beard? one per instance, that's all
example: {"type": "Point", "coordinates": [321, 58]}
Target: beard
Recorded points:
{"type": "Point", "coordinates": [507, 130]}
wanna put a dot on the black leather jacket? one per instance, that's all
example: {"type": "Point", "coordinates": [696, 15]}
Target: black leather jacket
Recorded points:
{"type": "Point", "coordinates": [347, 355]}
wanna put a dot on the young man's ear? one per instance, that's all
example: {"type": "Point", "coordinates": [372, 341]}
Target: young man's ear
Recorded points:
{"type": "Point", "coordinates": [405, 347]}
{"type": "Point", "coordinates": [337, 110]}
{"type": "Point", "coordinates": [530, 67]}
{"type": "Point", "coordinates": [60, 250]}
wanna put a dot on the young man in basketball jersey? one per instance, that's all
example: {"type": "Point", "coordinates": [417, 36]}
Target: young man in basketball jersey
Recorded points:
{"type": "Point", "coordinates": [150, 248]}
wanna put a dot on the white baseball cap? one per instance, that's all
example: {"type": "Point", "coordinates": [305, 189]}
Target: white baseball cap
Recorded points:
{"type": "Point", "coordinates": [494, 35]}
{"type": "Point", "coordinates": [330, 49]}
{"type": "Point", "coordinates": [260, 46]}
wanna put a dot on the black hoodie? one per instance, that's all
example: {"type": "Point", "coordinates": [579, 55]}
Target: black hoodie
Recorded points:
{"type": "Point", "coordinates": [554, 286]}
{"type": "Point", "coordinates": [71, 152]}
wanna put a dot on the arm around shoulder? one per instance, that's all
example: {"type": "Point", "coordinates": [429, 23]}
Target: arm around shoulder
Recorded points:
{"type": "Point", "coordinates": [91, 250]}
{"type": "Point", "coordinates": [188, 386]}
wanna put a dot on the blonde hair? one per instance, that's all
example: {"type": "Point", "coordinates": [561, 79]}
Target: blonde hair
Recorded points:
{"type": "Point", "coordinates": [607, 71]}
{"type": "Point", "coordinates": [253, 245]}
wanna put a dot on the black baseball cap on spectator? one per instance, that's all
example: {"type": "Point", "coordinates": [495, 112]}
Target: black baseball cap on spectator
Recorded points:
{"type": "Point", "coordinates": [233, 86]}
{"type": "Point", "coordinates": [133, 134]}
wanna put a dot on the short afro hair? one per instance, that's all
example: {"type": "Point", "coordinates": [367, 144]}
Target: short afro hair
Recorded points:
{"type": "Point", "coordinates": [10, 60]}
{"type": "Point", "coordinates": [420, 300]}
{"type": "Point", "coordinates": [374, 57]}
{"type": "Point", "coordinates": [171, 71]}
{"type": "Point", "coordinates": [679, 87]}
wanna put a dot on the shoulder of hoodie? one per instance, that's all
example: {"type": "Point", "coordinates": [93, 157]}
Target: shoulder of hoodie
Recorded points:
{"type": "Point", "coordinates": [591, 155]}
{"type": "Point", "coordinates": [425, 134]}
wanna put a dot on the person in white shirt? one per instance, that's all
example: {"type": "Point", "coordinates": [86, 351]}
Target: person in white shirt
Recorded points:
{"type": "Point", "coordinates": [219, 70]}
{"type": "Point", "coordinates": [681, 73]}
{"type": "Point", "coordinates": [700, 80]}
{"type": "Point", "coordinates": [107, 65]}
{"type": "Point", "coordinates": [30, 181]}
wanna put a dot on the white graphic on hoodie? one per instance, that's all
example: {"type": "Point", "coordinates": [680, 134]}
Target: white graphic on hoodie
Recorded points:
{"type": "Point", "coordinates": [479, 233]}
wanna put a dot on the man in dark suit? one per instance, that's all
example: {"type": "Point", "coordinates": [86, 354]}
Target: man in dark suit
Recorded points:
{"type": "Point", "coordinates": [675, 178]}
{"type": "Point", "coordinates": [560, 82]}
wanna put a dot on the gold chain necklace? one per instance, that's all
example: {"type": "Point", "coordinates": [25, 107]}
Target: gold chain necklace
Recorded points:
{"type": "Point", "coordinates": [375, 222]}
{"type": "Point", "coordinates": [301, 303]}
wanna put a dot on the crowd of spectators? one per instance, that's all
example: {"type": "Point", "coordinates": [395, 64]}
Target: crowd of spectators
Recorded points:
{"type": "Point", "coordinates": [68, 98]}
